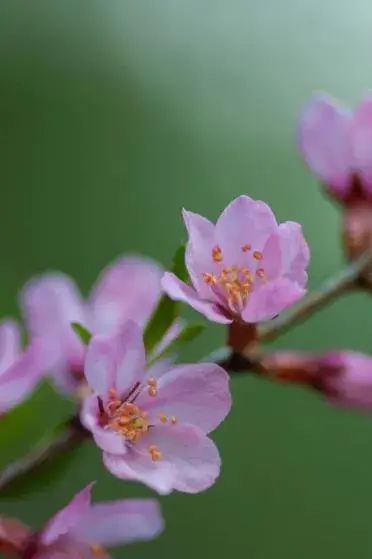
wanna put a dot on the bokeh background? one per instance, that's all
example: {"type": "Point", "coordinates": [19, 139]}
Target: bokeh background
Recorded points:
{"type": "Point", "coordinates": [115, 114]}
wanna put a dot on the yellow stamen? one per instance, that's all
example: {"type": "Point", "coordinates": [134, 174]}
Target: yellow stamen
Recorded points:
{"type": "Point", "coordinates": [257, 255]}
{"type": "Point", "coordinates": [126, 418]}
{"type": "Point", "coordinates": [209, 279]}
{"type": "Point", "coordinates": [97, 550]}
{"type": "Point", "coordinates": [217, 254]}
{"type": "Point", "coordinates": [154, 453]}
{"type": "Point", "coordinates": [152, 384]}
{"type": "Point", "coordinates": [234, 283]}
{"type": "Point", "coordinates": [173, 419]}
{"type": "Point", "coordinates": [163, 418]}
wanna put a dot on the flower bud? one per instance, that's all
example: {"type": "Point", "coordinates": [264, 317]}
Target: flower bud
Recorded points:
{"type": "Point", "coordinates": [343, 377]}
{"type": "Point", "coordinates": [13, 536]}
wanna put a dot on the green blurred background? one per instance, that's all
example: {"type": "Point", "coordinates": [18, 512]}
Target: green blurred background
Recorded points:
{"type": "Point", "coordinates": [114, 115]}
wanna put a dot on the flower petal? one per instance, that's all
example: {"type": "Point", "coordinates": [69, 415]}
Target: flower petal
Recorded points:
{"type": "Point", "coordinates": [271, 257]}
{"type": "Point", "coordinates": [65, 520]}
{"type": "Point", "coordinates": [106, 439]}
{"type": "Point", "coordinates": [100, 363]}
{"type": "Point", "coordinates": [325, 141]}
{"type": "Point", "coordinates": [193, 455]}
{"type": "Point", "coordinates": [295, 252]}
{"type": "Point", "coordinates": [243, 222]}
{"type": "Point", "coordinates": [198, 254]}
{"type": "Point", "coordinates": [362, 138]}
{"type": "Point", "coordinates": [271, 299]}
{"type": "Point", "coordinates": [116, 360]}
{"type": "Point", "coordinates": [128, 289]}
{"type": "Point", "coordinates": [49, 304]}
{"type": "Point", "coordinates": [120, 522]}
{"type": "Point", "coordinates": [179, 291]}
{"type": "Point", "coordinates": [130, 358]}
{"type": "Point", "coordinates": [138, 466]}
{"type": "Point", "coordinates": [159, 368]}
{"type": "Point", "coordinates": [196, 394]}
{"type": "Point", "coordinates": [9, 344]}
{"type": "Point", "coordinates": [17, 383]}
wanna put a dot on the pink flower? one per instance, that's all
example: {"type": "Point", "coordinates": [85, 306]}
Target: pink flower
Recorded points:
{"type": "Point", "coordinates": [336, 143]}
{"type": "Point", "coordinates": [246, 267]}
{"type": "Point", "coordinates": [81, 530]}
{"type": "Point", "coordinates": [129, 288]}
{"type": "Point", "coordinates": [20, 371]}
{"type": "Point", "coordinates": [153, 430]}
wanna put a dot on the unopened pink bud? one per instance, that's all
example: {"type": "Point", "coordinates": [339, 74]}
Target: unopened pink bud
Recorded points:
{"type": "Point", "coordinates": [346, 379]}
{"type": "Point", "coordinates": [343, 377]}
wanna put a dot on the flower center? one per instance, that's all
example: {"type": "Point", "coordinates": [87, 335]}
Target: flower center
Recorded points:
{"type": "Point", "coordinates": [98, 551]}
{"type": "Point", "coordinates": [123, 416]}
{"type": "Point", "coordinates": [234, 282]}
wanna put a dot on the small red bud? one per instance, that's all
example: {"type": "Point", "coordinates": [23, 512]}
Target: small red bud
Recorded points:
{"type": "Point", "coordinates": [357, 223]}
{"type": "Point", "coordinates": [14, 536]}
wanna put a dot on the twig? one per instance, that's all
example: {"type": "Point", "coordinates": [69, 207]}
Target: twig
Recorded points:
{"type": "Point", "coordinates": [232, 362]}
{"type": "Point", "coordinates": [72, 434]}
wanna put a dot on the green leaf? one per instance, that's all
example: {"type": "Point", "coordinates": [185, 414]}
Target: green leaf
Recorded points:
{"type": "Point", "coordinates": [187, 335]}
{"type": "Point", "coordinates": [165, 314]}
{"type": "Point", "coordinates": [167, 310]}
{"type": "Point", "coordinates": [179, 265]}
{"type": "Point", "coordinates": [82, 332]}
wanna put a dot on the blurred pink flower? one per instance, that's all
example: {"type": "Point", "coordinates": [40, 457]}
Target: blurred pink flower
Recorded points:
{"type": "Point", "coordinates": [20, 370]}
{"type": "Point", "coordinates": [81, 530]}
{"type": "Point", "coordinates": [246, 267]}
{"type": "Point", "coordinates": [336, 143]}
{"type": "Point", "coordinates": [129, 288]}
{"type": "Point", "coordinates": [154, 429]}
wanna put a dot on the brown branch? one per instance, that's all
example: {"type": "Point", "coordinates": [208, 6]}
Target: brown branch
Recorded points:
{"type": "Point", "coordinates": [71, 435]}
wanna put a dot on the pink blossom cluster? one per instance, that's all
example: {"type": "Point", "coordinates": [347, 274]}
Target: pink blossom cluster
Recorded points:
{"type": "Point", "coordinates": [153, 418]}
